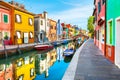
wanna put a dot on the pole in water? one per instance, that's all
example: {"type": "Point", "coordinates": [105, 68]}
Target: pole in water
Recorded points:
{"type": "Point", "coordinates": [5, 49]}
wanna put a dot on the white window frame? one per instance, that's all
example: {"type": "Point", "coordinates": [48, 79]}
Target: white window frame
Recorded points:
{"type": "Point", "coordinates": [30, 20]}
{"type": "Point", "coordinates": [3, 17]}
{"type": "Point", "coordinates": [31, 34]}
{"type": "Point", "coordinates": [18, 18]}
{"type": "Point", "coordinates": [18, 34]}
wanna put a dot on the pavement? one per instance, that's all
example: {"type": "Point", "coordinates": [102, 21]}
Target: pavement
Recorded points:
{"type": "Point", "coordinates": [88, 63]}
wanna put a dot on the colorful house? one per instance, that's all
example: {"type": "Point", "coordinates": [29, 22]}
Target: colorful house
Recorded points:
{"type": "Point", "coordinates": [113, 31]}
{"type": "Point", "coordinates": [52, 32]}
{"type": "Point", "coordinates": [41, 27]}
{"type": "Point", "coordinates": [5, 22]}
{"type": "Point", "coordinates": [99, 23]}
{"type": "Point", "coordinates": [59, 30]}
{"type": "Point", "coordinates": [65, 30]}
{"type": "Point", "coordinates": [24, 68]}
{"type": "Point", "coordinates": [23, 25]}
{"type": "Point", "coordinates": [6, 71]}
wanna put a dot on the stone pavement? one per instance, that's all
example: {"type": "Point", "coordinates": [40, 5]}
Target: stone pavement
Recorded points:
{"type": "Point", "coordinates": [88, 63]}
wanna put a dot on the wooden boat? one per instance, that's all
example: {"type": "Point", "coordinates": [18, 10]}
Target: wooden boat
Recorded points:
{"type": "Point", "coordinates": [43, 47]}
{"type": "Point", "coordinates": [68, 52]}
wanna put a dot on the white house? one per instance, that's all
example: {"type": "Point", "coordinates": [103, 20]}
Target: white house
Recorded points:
{"type": "Point", "coordinates": [41, 27]}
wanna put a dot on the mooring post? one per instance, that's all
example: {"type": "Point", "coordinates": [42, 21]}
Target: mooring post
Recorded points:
{"type": "Point", "coordinates": [5, 49]}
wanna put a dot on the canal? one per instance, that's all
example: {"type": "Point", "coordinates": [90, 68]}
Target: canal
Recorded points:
{"type": "Point", "coordinates": [36, 65]}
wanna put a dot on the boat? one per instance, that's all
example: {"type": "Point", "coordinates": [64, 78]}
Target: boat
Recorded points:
{"type": "Point", "coordinates": [43, 47]}
{"type": "Point", "coordinates": [56, 43]}
{"type": "Point", "coordinates": [64, 42]}
{"type": "Point", "coordinates": [68, 52]}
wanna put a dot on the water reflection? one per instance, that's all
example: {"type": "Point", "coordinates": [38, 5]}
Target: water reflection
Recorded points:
{"type": "Point", "coordinates": [35, 65]}
{"type": "Point", "coordinates": [18, 68]}
{"type": "Point", "coordinates": [44, 61]}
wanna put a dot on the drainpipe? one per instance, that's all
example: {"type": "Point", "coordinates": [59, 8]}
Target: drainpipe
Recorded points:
{"type": "Point", "coordinates": [105, 26]}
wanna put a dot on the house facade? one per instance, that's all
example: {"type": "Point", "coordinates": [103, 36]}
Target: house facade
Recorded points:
{"type": "Point", "coordinates": [23, 28]}
{"type": "Point", "coordinates": [99, 23]}
{"type": "Point", "coordinates": [5, 22]}
{"type": "Point", "coordinates": [41, 27]}
{"type": "Point", "coordinates": [52, 30]}
{"type": "Point", "coordinates": [113, 31]}
{"type": "Point", "coordinates": [24, 68]}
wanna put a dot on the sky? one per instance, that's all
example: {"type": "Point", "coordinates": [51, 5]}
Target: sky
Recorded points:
{"type": "Point", "coordinates": [74, 12]}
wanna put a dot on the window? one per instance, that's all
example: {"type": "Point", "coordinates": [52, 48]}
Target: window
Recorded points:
{"type": "Point", "coordinates": [6, 35]}
{"type": "Point", "coordinates": [19, 63]}
{"type": "Point", "coordinates": [30, 20]}
{"type": "Point", "coordinates": [21, 77]}
{"type": "Point", "coordinates": [99, 7]}
{"type": "Point", "coordinates": [5, 18]}
{"type": "Point", "coordinates": [110, 32]}
{"type": "Point", "coordinates": [9, 79]}
{"type": "Point", "coordinates": [31, 72]}
{"type": "Point", "coordinates": [18, 34]}
{"type": "Point", "coordinates": [31, 35]}
{"type": "Point", "coordinates": [18, 18]}
{"type": "Point", "coordinates": [41, 22]}
{"type": "Point", "coordinates": [103, 1]}
{"type": "Point", "coordinates": [31, 59]}
{"type": "Point", "coordinates": [26, 59]}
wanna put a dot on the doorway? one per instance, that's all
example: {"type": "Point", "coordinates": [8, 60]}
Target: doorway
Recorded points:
{"type": "Point", "coordinates": [117, 45]}
{"type": "Point", "coordinates": [25, 37]}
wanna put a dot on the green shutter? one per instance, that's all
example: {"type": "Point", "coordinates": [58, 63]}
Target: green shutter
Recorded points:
{"type": "Point", "coordinates": [111, 32]}
{"type": "Point", "coordinates": [5, 18]}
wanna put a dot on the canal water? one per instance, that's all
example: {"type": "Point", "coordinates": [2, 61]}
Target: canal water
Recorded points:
{"type": "Point", "coordinates": [36, 65]}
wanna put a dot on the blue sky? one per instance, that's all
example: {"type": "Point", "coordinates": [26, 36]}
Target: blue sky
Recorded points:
{"type": "Point", "coordinates": [75, 12]}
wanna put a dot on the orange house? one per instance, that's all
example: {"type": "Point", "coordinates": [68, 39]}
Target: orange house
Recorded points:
{"type": "Point", "coordinates": [52, 32]}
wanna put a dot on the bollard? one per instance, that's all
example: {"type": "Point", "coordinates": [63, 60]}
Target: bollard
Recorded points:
{"type": "Point", "coordinates": [5, 49]}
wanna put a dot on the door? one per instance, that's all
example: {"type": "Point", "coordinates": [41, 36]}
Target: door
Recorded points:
{"type": "Point", "coordinates": [25, 37]}
{"type": "Point", "coordinates": [117, 47]}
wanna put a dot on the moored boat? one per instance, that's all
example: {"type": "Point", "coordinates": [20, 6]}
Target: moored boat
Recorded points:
{"type": "Point", "coordinates": [68, 52]}
{"type": "Point", "coordinates": [43, 47]}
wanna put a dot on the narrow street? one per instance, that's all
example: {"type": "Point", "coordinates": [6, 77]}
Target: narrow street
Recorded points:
{"type": "Point", "coordinates": [91, 65]}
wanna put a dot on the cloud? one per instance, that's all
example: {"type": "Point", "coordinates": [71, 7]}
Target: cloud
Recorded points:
{"type": "Point", "coordinates": [75, 15]}
{"type": "Point", "coordinates": [71, 3]}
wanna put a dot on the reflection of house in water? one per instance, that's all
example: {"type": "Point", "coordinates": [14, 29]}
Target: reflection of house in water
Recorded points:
{"type": "Point", "coordinates": [59, 53]}
{"type": "Point", "coordinates": [53, 56]}
{"type": "Point", "coordinates": [6, 71]}
{"type": "Point", "coordinates": [25, 68]}
{"type": "Point", "coordinates": [44, 61]}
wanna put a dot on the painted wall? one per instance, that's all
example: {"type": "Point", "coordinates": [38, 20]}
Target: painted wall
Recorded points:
{"type": "Point", "coordinates": [52, 32]}
{"type": "Point", "coordinates": [113, 12]}
{"type": "Point", "coordinates": [24, 26]}
{"type": "Point", "coordinates": [5, 27]}
{"type": "Point", "coordinates": [23, 67]}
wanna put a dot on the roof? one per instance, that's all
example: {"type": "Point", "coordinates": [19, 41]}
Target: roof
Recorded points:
{"type": "Point", "coordinates": [9, 5]}
{"type": "Point", "coordinates": [4, 7]}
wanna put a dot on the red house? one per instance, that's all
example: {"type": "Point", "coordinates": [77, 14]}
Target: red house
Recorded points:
{"type": "Point", "coordinates": [99, 14]}
{"type": "Point", "coordinates": [5, 24]}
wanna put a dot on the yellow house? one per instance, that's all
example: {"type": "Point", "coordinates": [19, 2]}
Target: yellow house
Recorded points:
{"type": "Point", "coordinates": [52, 32]}
{"type": "Point", "coordinates": [23, 25]}
{"type": "Point", "coordinates": [24, 68]}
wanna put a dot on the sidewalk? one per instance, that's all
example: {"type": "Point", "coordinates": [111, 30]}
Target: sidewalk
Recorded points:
{"type": "Point", "coordinates": [88, 63]}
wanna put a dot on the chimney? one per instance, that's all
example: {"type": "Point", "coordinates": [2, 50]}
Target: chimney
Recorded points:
{"type": "Point", "coordinates": [45, 14]}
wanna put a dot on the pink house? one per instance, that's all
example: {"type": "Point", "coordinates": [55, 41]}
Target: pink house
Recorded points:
{"type": "Point", "coordinates": [5, 24]}
{"type": "Point", "coordinates": [99, 14]}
